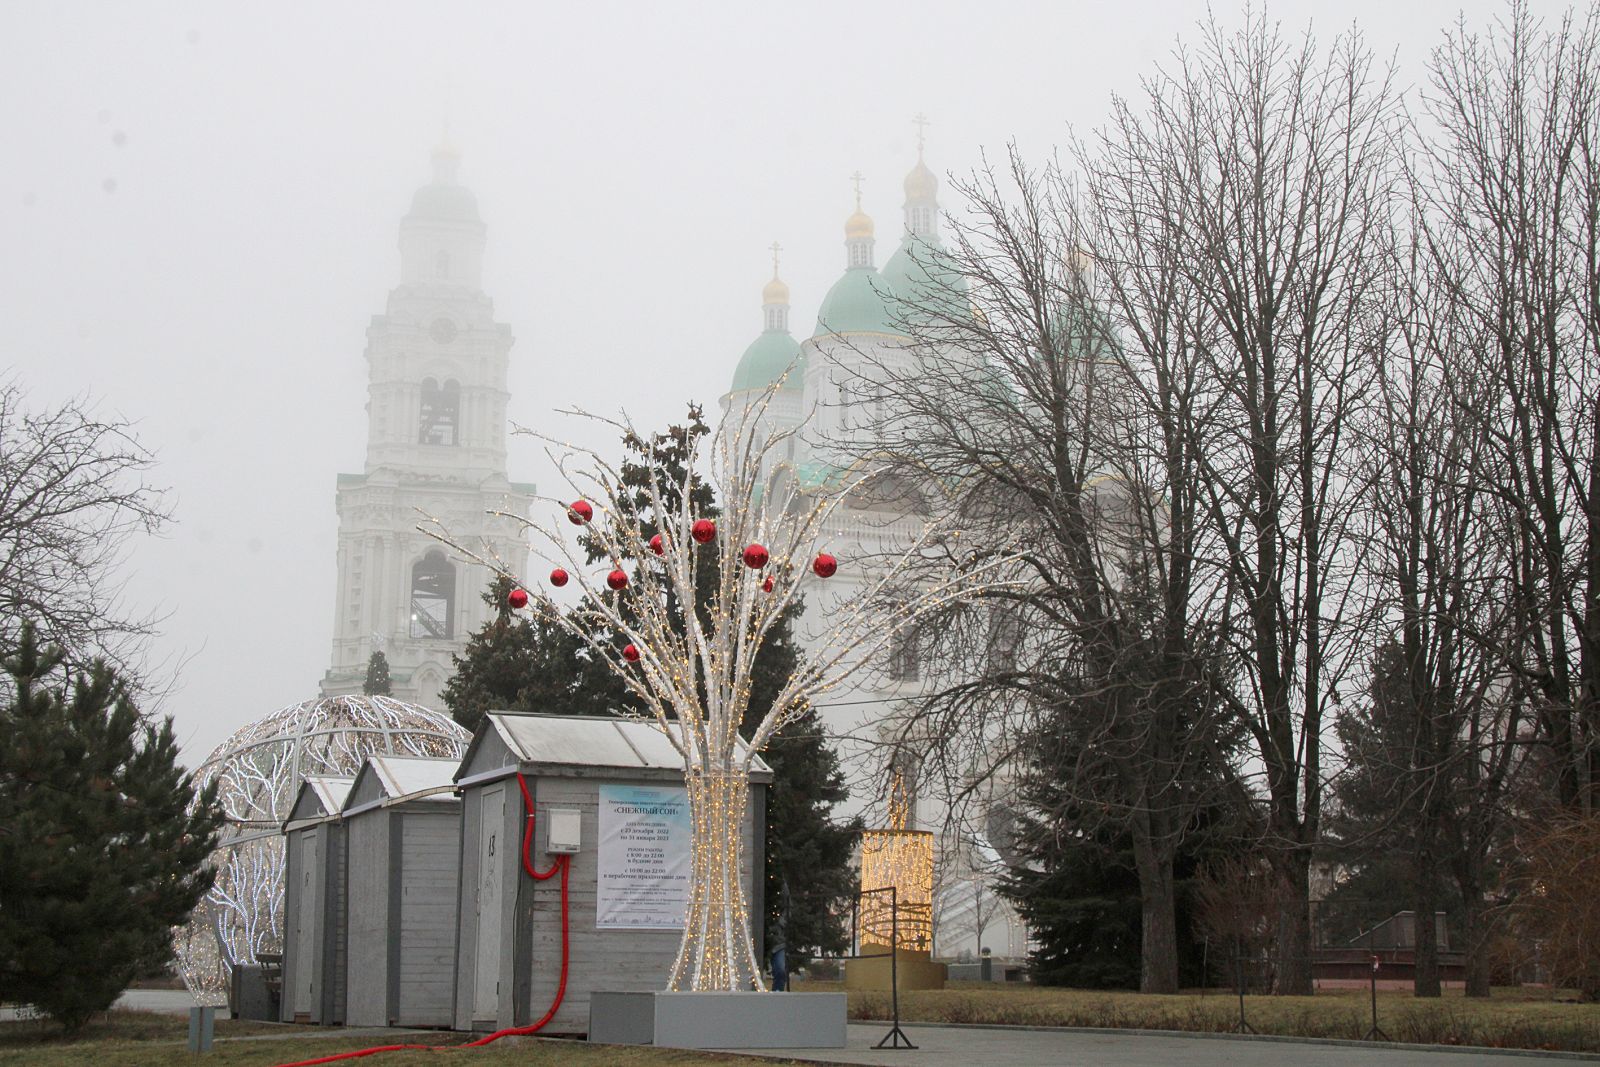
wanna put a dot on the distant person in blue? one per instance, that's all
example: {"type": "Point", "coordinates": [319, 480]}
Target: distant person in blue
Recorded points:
{"type": "Point", "coordinates": [780, 948]}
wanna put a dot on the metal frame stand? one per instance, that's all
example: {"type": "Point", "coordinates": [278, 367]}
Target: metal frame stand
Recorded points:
{"type": "Point", "coordinates": [896, 1037]}
{"type": "Point", "coordinates": [1374, 1032]}
{"type": "Point", "coordinates": [1242, 1026]}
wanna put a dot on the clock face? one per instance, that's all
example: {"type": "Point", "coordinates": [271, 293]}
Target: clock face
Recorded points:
{"type": "Point", "coordinates": [443, 331]}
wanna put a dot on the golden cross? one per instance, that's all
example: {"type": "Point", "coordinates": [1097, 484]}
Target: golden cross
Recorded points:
{"type": "Point", "coordinates": [920, 121]}
{"type": "Point", "coordinates": [858, 178]}
{"type": "Point", "coordinates": [776, 248]}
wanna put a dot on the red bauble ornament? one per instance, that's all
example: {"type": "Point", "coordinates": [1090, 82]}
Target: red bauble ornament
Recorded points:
{"type": "Point", "coordinates": [518, 599]}
{"type": "Point", "coordinates": [824, 565]}
{"type": "Point", "coordinates": [656, 546]}
{"type": "Point", "coordinates": [755, 556]}
{"type": "Point", "coordinates": [703, 531]}
{"type": "Point", "coordinates": [766, 586]}
{"type": "Point", "coordinates": [580, 512]}
{"type": "Point", "coordinates": [630, 653]}
{"type": "Point", "coordinates": [617, 579]}
{"type": "Point", "coordinates": [558, 578]}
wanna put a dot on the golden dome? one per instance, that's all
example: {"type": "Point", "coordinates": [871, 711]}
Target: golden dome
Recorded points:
{"type": "Point", "coordinates": [775, 292]}
{"type": "Point", "coordinates": [858, 225]}
{"type": "Point", "coordinates": [921, 184]}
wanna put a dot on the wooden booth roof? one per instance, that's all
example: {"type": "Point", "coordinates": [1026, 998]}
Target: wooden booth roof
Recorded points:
{"type": "Point", "coordinates": [572, 743]}
{"type": "Point", "coordinates": [321, 796]}
{"type": "Point", "coordinates": [392, 779]}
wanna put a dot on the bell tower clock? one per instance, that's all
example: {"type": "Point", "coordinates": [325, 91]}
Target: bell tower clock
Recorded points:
{"type": "Point", "coordinates": [436, 444]}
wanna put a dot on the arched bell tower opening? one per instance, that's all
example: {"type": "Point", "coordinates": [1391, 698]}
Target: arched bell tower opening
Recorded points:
{"type": "Point", "coordinates": [433, 597]}
{"type": "Point", "coordinates": [440, 413]}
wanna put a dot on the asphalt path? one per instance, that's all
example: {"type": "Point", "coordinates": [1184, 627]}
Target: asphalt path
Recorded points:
{"type": "Point", "coordinates": [949, 1046]}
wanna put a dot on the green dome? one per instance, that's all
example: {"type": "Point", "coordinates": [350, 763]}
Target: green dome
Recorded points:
{"type": "Point", "coordinates": [856, 304]}
{"type": "Point", "coordinates": [764, 362]}
{"type": "Point", "coordinates": [917, 272]}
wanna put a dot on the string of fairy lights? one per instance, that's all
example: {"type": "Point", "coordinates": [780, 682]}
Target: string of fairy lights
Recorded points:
{"type": "Point", "coordinates": [692, 669]}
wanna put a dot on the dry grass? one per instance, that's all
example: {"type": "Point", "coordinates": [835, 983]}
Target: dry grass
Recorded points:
{"type": "Point", "coordinates": [1512, 1018]}
{"type": "Point", "coordinates": [143, 1039]}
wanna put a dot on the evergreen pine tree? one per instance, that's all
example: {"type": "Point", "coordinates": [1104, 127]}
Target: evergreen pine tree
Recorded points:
{"type": "Point", "coordinates": [521, 663]}
{"type": "Point", "coordinates": [378, 683]}
{"type": "Point", "coordinates": [103, 841]}
{"type": "Point", "coordinates": [1074, 879]}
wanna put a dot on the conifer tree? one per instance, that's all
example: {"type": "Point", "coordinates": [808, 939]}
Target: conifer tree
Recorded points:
{"type": "Point", "coordinates": [102, 841]}
{"type": "Point", "coordinates": [516, 663]}
{"type": "Point", "coordinates": [378, 683]}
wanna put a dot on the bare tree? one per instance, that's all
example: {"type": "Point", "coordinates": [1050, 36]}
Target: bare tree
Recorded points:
{"type": "Point", "coordinates": [1253, 184]}
{"type": "Point", "coordinates": [1437, 742]}
{"type": "Point", "coordinates": [1514, 215]}
{"type": "Point", "coordinates": [1013, 406]}
{"type": "Point", "coordinates": [73, 491]}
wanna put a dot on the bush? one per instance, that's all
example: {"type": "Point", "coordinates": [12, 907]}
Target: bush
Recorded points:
{"type": "Point", "coordinates": [1559, 905]}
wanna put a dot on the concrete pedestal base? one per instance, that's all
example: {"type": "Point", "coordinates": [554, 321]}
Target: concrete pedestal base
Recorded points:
{"type": "Point", "coordinates": [719, 1020]}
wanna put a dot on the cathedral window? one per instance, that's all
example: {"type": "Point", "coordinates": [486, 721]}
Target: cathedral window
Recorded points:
{"type": "Point", "coordinates": [440, 413]}
{"type": "Point", "coordinates": [433, 596]}
{"type": "Point", "coordinates": [860, 254]}
{"type": "Point", "coordinates": [441, 264]}
{"type": "Point", "coordinates": [1005, 633]}
{"type": "Point", "coordinates": [903, 664]}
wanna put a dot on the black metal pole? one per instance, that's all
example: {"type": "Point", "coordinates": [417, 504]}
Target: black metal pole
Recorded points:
{"type": "Point", "coordinates": [1374, 1033]}
{"type": "Point", "coordinates": [896, 1037]}
{"type": "Point", "coordinates": [1243, 1026]}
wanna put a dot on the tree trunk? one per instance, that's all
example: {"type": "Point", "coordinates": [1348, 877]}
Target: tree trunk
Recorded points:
{"type": "Point", "coordinates": [1424, 904]}
{"type": "Point", "coordinates": [1293, 868]}
{"type": "Point", "coordinates": [1158, 942]}
{"type": "Point", "coordinates": [1476, 938]}
{"type": "Point", "coordinates": [717, 953]}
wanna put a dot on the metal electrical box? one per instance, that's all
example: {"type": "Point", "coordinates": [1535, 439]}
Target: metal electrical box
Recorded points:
{"type": "Point", "coordinates": [566, 835]}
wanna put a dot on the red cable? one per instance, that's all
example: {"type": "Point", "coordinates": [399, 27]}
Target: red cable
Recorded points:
{"type": "Point", "coordinates": [560, 863]}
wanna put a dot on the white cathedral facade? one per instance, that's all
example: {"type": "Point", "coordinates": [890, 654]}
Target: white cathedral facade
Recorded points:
{"type": "Point", "coordinates": [436, 448]}
{"type": "Point", "coordinates": [820, 392]}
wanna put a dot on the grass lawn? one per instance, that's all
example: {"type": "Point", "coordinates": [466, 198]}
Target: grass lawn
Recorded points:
{"type": "Point", "coordinates": [1512, 1018]}
{"type": "Point", "coordinates": [142, 1039]}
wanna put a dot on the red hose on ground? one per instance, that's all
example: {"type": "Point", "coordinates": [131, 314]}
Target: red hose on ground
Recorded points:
{"type": "Point", "coordinates": [560, 863]}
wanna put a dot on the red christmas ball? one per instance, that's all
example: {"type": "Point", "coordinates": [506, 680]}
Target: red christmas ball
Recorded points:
{"type": "Point", "coordinates": [630, 653]}
{"type": "Point", "coordinates": [558, 577]}
{"type": "Point", "coordinates": [755, 556]}
{"type": "Point", "coordinates": [766, 586]}
{"type": "Point", "coordinates": [580, 512]}
{"type": "Point", "coordinates": [617, 579]}
{"type": "Point", "coordinates": [824, 565]}
{"type": "Point", "coordinates": [518, 599]}
{"type": "Point", "coordinates": [703, 531]}
{"type": "Point", "coordinates": [656, 546]}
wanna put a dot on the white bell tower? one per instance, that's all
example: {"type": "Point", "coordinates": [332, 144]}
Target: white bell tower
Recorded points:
{"type": "Point", "coordinates": [436, 441]}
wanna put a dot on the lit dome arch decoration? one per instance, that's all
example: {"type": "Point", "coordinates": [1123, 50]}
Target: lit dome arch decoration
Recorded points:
{"type": "Point", "coordinates": [258, 770]}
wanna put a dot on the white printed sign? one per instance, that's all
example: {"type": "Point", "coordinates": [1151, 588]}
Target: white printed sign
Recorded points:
{"type": "Point", "coordinates": [643, 859]}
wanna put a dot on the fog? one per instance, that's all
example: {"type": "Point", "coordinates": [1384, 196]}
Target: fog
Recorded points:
{"type": "Point", "coordinates": [199, 209]}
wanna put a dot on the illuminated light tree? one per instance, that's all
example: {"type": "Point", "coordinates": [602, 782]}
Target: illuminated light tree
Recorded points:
{"type": "Point", "coordinates": [693, 672]}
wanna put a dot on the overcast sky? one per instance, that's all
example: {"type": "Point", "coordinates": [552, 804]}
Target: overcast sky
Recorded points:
{"type": "Point", "coordinates": [199, 208]}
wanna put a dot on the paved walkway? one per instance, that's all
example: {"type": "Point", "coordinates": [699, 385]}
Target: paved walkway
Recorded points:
{"type": "Point", "coordinates": [960, 1046]}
